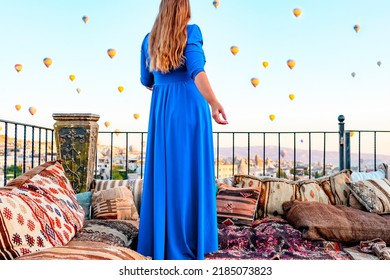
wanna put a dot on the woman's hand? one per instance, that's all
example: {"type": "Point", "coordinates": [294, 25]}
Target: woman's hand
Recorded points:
{"type": "Point", "coordinates": [217, 111]}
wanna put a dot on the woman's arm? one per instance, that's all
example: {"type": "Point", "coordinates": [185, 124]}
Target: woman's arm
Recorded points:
{"type": "Point", "coordinates": [203, 85]}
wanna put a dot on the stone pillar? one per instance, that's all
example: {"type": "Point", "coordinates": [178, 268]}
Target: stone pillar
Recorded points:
{"type": "Point", "coordinates": [76, 140]}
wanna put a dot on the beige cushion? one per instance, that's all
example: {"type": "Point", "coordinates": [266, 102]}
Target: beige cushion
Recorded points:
{"type": "Point", "coordinates": [246, 181]}
{"type": "Point", "coordinates": [373, 194]}
{"type": "Point", "coordinates": [275, 191]}
{"type": "Point", "coordinates": [114, 203]}
{"type": "Point", "coordinates": [336, 187]}
{"type": "Point", "coordinates": [310, 190]}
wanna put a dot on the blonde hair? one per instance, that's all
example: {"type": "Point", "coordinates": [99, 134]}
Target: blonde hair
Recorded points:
{"type": "Point", "coordinates": [168, 36]}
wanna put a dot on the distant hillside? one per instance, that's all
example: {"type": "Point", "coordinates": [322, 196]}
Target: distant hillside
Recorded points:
{"type": "Point", "coordinates": [301, 155]}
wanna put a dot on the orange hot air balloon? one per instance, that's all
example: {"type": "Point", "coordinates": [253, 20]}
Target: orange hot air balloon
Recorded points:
{"type": "Point", "coordinates": [351, 133]}
{"type": "Point", "coordinates": [291, 96]}
{"type": "Point", "coordinates": [47, 61]}
{"type": "Point", "coordinates": [272, 117]}
{"type": "Point", "coordinates": [120, 88]}
{"type": "Point", "coordinates": [18, 107]}
{"type": "Point", "coordinates": [234, 50]}
{"type": "Point", "coordinates": [136, 116]}
{"type": "Point", "coordinates": [216, 3]}
{"type": "Point", "coordinates": [18, 67]}
{"type": "Point", "coordinates": [78, 90]}
{"type": "Point", "coordinates": [85, 19]}
{"type": "Point", "coordinates": [265, 64]}
{"type": "Point", "coordinates": [291, 63]}
{"type": "Point", "coordinates": [72, 77]}
{"type": "Point", "coordinates": [111, 53]}
{"type": "Point", "coordinates": [356, 27]}
{"type": "Point", "coordinates": [32, 110]}
{"type": "Point", "coordinates": [107, 123]}
{"type": "Point", "coordinates": [297, 12]}
{"type": "Point", "coordinates": [117, 132]}
{"type": "Point", "coordinates": [255, 82]}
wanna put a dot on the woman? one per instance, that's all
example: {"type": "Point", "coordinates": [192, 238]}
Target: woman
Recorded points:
{"type": "Point", "coordinates": [178, 215]}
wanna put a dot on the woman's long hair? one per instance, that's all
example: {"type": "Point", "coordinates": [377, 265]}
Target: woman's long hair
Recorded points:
{"type": "Point", "coordinates": [168, 37]}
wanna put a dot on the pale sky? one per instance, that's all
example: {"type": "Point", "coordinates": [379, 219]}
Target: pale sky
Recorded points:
{"type": "Point", "coordinates": [322, 41]}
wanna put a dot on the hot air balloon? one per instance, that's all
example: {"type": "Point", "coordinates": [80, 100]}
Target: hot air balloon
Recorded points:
{"type": "Point", "coordinates": [255, 82]}
{"type": "Point", "coordinates": [18, 67]}
{"type": "Point", "coordinates": [301, 140]}
{"type": "Point", "coordinates": [18, 107]}
{"type": "Point", "coordinates": [297, 12]}
{"type": "Point", "coordinates": [216, 3]}
{"type": "Point", "coordinates": [32, 110]}
{"type": "Point", "coordinates": [272, 117]}
{"type": "Point", "coordinates": [1, 128]}
{"type": "Point", "coordinates": [85, 19]}
{"type": "Point", "coordinates": [283, 153]}
{"type": "Point", "coordinates": [356, 27]}
{"type": "Point", "coordinates": [117, 132]}
{"type": "Point", "coordinates": [47, 61]}
{"type": "Point", "coordinates": [291, 96]}
{"type": "Point", "coordinates": [78, 90]}
{"type": "Point", "coordinates": [120, 88]}
{"type": "Point", "coordinates": [72, 77]}
{"type": "Point", "coordinates": [291, 63]}
{"type": "Point", "coordinates": [107, 123]}
{"type": "Point", "coordinates": [265, 64]}
{"type": "Point", "coordinates": [234, 50]}
{"type": "Point", "coordinates": [136, 116]}
{"type": "Point", "coordinates": [111, 53]}
{"type": "Point", "coordinates": [353, 74]}
{"type": "Point", "coordinates": [351, 133]}
{"type": "Point", "coordinates": [379, 63]}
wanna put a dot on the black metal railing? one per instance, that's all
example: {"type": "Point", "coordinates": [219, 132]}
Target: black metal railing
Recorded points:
{"type": "Point", "coordinates": [23, 146]}
{"type": "Point", "coordinates": [293, 155]}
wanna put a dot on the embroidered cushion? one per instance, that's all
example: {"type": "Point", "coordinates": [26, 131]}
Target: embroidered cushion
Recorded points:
{"type": "Point", "coordinates": [373, 194]}
{"type": "Point", "coordinates": [236, 205]}
{"type": "Point", "coordinates": [38, 210]}
{"type": "Point", "coordinates": [246, 181]}
{"type": "Point", "coordinates": [336, 187]}
{"type": "Point", "coordinates": [114, 203]}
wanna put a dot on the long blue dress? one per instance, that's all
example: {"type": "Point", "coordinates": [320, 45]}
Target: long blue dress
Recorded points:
{"type": "Point", "coordinates": [178, 207]}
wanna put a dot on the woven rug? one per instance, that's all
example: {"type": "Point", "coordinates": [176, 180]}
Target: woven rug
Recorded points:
{"type": "Point", "coordinates": [272, 239]}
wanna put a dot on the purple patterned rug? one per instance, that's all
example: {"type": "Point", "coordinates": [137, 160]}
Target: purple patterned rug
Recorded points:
{"type": "Point", "coordinates": [272, 239]}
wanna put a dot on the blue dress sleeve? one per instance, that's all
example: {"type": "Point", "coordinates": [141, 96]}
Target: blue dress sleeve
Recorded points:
{"type": "Point", "coordinates": [147, 78]}
{"type": "Point", "coordinates": [194, 55]}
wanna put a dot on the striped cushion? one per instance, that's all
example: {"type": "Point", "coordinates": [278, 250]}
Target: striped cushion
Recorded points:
{"type": "Point", "coordinates": [85, 250]}
{"type": "Point", "coordinates": [114, 203]}
{"type": "Point", "coordinates": [237, 205]}
{"type": "Point", "coordinates": [373, 194]}
{"type": "Point", "coordinates": [99, 185]}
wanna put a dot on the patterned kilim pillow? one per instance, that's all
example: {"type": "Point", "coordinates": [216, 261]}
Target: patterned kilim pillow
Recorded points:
{"type": "Point", "coordinates": [310, 190]}
{"type": "Point", "coordinates": [99, 185]}
{"type": "Point", "coordinates": [237, 205]}
{"type": "Point", "coordinates": [38, 210]}
{"type": "Point", "coordinates": [246, 181]}
{"type": "Point", "coordinates": [114, 203]}
{"type": "Point", "coordinates": [275, 191]}
{"type": "Point", "coordinates": [373, 194]}
{"type": "Point", "coordinates": [336, 187]}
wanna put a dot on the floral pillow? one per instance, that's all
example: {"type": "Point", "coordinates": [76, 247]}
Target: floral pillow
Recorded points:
{"type": "Point", "coordinates": [38, 210]}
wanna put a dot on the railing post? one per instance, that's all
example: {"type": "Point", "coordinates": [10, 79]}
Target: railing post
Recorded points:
{"type": "Point", "coordinates": [341, 119]}
{"type": "Point", "coordinates": [76, 143]}
{"type": "Point", "coordinates": [348, 150]}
